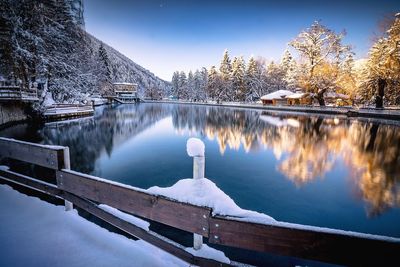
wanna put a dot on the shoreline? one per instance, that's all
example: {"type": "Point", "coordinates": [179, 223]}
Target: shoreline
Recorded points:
{"type": "Point", "coordinates": [350, 112]}
{"type": "Point", "coordinates": [387, 116]}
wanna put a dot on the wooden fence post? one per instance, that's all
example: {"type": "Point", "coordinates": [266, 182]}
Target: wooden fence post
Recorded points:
{"type": "Point", "coordinates": [67, 165]}
{"type": "Point", "coordinates": [198, 173]}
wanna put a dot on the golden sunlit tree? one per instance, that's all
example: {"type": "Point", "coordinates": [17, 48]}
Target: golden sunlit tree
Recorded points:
{"type": "Point", "coordinates": [382, 75]}
{"type": "Point", "coordinates": [319, 46]}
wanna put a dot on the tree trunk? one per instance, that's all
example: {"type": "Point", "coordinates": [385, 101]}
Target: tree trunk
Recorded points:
{"type": "Point", "coordinates": [320, 97]}
{"type": "Point", "coordinates": [373, 131]}
{"type": "Point", "coordinates": [380, 93]}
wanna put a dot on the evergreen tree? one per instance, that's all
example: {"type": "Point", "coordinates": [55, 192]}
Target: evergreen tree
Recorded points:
{"type": "Point", "coordinates": [183, 90]}
{"type": "Point", "coordinates": [213, 84]}
{"type": "Point", "coordinates": [255, 79]}
{"type": "Point", "coordinates": [175, 83]}
{"type": "Point", "coordinates": [191, 91]}
{"type": "Point", "coordinates": [288, 66]}
{"type": "Point", "coordinates": [225, 70]}
{"type": "Point", "coordinates": [203, 84]}
{"type": "Point", "coordinates": [238, 79]}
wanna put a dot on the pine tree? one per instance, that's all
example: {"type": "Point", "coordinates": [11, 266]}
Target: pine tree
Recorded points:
{"type": "Point", "coordinates": [255, 79]}
{"type": "Point", "coordinates": [238, 79]}
{"type": "Point", "coordinates": [288, 66]}
{"type": "Point", "coordinates": [213, 84]}
{"type": "Point", "coordinates": [175, 83]}
{"type": "Point", "coordinates": [183, 90]}
{"type": "Point", "coordinates": [190, 86]}
{"type": "Point", "coordinates": [225, 70]}
{"type": "Point", "coordinates": [203, 84]}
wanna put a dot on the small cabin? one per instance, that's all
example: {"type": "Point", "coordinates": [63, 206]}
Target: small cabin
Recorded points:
{"type": "Point", "coordinates": [299, 99]}
{"type": "Point", "coordinates": [276, 98]}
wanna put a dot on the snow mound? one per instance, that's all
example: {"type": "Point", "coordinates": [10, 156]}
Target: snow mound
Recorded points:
{"type": "Point", "coordinates": [209, 253]}
{"type": "Point", "coordinates": [195, 147]}
{"type": "Point", "coordinates": [203, 192]}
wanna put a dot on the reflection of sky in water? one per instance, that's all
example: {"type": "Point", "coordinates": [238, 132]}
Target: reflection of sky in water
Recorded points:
{"type": "Point", "coordinates": [327, 172]}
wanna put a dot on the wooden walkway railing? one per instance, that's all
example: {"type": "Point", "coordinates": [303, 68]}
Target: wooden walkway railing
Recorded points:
{"type": "Point", "coordinates": [17, 93]}
{"type": "Point", "coordinates": [87, 191]}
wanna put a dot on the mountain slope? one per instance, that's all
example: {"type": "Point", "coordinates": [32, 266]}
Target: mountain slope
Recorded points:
{"type": "Point", "coordinates": [44, 41]}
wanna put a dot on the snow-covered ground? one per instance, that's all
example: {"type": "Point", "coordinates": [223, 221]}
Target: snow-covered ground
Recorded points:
{"type": "Point", "coordinates": [36, 233]}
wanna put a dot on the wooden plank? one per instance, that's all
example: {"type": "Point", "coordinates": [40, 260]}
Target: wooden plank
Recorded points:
{"type": "Point", "coordinates": [148, 236]}
{"type": "Point", "coordinates": [315, 245]}
{"type": "Point", "coordinates": [47, 156]}
{"type": "Point", "coordinates": [183, 216]}
{"type": "Point", "coordinates": [30, 182]}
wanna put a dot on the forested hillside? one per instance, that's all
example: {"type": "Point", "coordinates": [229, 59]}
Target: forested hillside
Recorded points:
{"type": "Point", "coordinates": [45, 41]}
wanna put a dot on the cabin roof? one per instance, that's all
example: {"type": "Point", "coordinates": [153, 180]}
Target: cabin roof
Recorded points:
{"type": "Point", "coordinates": [277, 95]}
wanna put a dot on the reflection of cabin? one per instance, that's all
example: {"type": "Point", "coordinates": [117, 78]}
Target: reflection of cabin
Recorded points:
{"type": "Point", "coordinates": [299, 99]}
{"type": "Point", "coordinates": [276, 98]}
{"type": "Point", "coordinates": [125, 92]}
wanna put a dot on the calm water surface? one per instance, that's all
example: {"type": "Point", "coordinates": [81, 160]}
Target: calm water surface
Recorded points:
{"type": "Point", "coordinates": [329, 172]}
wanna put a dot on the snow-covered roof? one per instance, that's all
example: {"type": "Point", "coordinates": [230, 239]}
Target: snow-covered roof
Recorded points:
{"type": "Point", "coordinates": [336, 95]}
{"type": "Point", "coordinates": [297, 95]}
{"type": "Point", "coordinates": [277, 94]}
{"type": "Point", "coordinates": [124, 84]}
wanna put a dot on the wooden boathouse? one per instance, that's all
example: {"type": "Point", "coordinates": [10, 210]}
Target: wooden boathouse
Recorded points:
{"type": "Point", "coordinates": [125, 93]}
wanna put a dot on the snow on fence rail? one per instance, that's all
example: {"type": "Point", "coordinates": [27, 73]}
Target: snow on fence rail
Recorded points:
{"type": "Point", "coordinates": [84, 191]}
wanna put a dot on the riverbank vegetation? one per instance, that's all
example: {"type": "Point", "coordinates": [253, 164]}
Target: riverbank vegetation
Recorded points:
{"type": "Point", "coordinates": [316, 61]}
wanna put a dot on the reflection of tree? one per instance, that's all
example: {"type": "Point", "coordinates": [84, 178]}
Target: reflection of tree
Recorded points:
{"type": "Point", "coordinates": [309, 157]}
{"type": "Point", "coordinates": [309, 150]}
{"type": "Point", "coordinates": [109, 128]}
{"type": "Point", "coordinates": [375, 161]}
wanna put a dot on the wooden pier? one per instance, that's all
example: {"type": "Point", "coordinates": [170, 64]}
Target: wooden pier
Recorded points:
{"type": "Point", "coordinates": [61, 111]}
{"type": "Point", "coordinates": [86, 192]}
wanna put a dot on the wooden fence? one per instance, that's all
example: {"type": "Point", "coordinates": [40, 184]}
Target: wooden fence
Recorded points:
{"type": "Point", "coordinates": [87, 191]}
{"type": "Point", "coordinates": [16, 93]}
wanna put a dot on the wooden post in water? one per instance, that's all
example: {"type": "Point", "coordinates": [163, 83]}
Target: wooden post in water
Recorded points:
{"type": "Point", "coordinates": [193, 150]}
{"type": "Point", "coordinates": [67, 165]}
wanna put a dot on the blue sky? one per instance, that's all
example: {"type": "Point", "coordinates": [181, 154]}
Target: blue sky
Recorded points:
{"type": "Point", "coordinates": [164, 36]}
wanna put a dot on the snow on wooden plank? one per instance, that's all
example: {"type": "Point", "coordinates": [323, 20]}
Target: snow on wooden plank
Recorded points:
{"type": "Point", "coordinates": [303, 243]}
{"type": "Point", "coordinates": [47, 156]}
{"type": "Point", "coordinates": [184, 216]}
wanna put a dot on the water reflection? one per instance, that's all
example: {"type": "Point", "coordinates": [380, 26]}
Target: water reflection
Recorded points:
{"type": "Point", "coordinates": [109, 128]}
{"type": "Point", "coordinates": [306, 148]}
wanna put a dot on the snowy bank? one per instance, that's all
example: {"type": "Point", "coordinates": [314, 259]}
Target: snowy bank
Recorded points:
{"type": "Point", "coordinates": [36, 233]}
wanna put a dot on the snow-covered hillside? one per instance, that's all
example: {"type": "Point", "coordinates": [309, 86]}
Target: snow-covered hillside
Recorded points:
{"type": "Point", "coordinates": [45, 41]}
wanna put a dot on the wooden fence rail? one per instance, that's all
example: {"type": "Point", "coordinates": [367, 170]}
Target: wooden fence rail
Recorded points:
{"type": "Point", "coordinates": [85, 191]}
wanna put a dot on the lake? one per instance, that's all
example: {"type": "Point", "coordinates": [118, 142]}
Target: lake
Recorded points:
{"type": "Point", "coordinates": [323, 171]}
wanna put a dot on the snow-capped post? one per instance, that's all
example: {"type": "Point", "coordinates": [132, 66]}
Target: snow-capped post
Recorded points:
{"type": "Point", "coordinates": [67, 165]}
{"type": "Point", "coordinates": [195, 148]}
